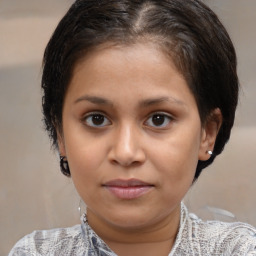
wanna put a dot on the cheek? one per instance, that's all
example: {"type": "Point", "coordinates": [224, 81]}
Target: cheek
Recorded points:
{"type": "Point", "coordinates": [80, 146]}
{"type": "Point", "coordinates": [85, 155]}
{"type": "Point", "coordinates": [176, 176]}
{"type": "Point", "coordinates": [84, 162]}
{"type": "Point", "coordinates": [177, 157]}
{"type": "Point", "coordinates": [85, 159]}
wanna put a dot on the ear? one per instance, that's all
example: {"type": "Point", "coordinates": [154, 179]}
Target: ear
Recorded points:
{"type": "Point", "coordinates": [61, 144]}
{"type": "Point", "coordinates": [209, 134]}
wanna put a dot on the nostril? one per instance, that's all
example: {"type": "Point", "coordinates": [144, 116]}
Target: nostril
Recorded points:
{"type": "Point", "coordinates": [126, 164]}
{"type": "Point", "coordinates": [133, 161]}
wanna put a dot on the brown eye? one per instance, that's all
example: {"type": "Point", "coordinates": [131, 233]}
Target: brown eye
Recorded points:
{"type": "Point", "coordinates": [97, 120]}
{"type": "Point", "coordinates": [159, 120]}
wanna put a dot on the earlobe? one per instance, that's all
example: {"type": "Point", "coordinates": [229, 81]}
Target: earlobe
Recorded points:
{"type": "Point", "coordinates": [209, 134]}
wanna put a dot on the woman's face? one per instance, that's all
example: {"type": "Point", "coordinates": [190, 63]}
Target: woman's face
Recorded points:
{"type": "Point", "coordinates": [132, 135]}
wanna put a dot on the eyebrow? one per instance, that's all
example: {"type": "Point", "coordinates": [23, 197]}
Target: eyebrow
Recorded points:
{"type": "Point", "coordinates": [159, 100]}
{"type": "Point", "coordinates": [144, 103]}
{"type": "Point", "coordinates": [94, 100]}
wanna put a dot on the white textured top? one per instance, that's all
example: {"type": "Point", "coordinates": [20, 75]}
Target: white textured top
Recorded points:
{"type": "Point", "coordinates": [195, 237]}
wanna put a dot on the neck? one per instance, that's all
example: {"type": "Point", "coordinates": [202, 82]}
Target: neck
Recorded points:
{"type": "Point", "coordinates": [156, 239]}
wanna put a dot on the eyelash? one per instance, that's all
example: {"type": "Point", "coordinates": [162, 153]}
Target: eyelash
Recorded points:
{"type": "Point", "coordinates": [101, 117]}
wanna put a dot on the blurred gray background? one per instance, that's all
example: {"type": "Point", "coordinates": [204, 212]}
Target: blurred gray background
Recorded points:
{"type": "Point", "coordinates": [33, 192]}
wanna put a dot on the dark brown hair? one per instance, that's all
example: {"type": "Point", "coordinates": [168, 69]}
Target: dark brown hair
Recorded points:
{"type": "Point", "coordinates": [187, 31]}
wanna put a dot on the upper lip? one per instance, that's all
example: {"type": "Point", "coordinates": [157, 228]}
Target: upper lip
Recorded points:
{"type": "Point", "coordinates": [126, 183]}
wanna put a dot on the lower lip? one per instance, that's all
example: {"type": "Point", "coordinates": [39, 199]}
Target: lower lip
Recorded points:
{"type": "Point", "coordinates": [129, 192]}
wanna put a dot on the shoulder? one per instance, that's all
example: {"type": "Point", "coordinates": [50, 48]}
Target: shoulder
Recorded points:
{"type": "Point", "coordinates": [226, 238]}
{"type": "Point", "coordinates": [45, 242]}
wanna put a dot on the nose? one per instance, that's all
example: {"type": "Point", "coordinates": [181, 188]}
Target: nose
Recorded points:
{"type": "Point", "coordinates": [126, 148]}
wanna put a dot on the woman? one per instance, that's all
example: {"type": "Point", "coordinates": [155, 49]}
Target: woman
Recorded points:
{"type": "Point", "coordinates": [139, 97]}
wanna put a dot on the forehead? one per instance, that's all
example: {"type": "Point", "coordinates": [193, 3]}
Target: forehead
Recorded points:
{"type": "Point", "coordinates": [139, 69]}
{"type": "Point", "coordinates": [143, 57]}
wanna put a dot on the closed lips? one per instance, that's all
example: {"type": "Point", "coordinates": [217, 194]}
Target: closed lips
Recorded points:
{"type": "Point", "coordinates": [128, 189]}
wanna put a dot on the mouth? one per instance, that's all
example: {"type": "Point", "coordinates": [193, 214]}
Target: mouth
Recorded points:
{"type": "Point", "coordinates": [128, 189]}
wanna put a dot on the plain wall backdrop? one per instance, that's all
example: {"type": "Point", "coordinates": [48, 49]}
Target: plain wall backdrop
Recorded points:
{"type": "Point", "coordinates": [33, 192]}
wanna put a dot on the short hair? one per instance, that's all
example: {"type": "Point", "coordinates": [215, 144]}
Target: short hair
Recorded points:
{"type": "Point", "coordinates": [187, 31]}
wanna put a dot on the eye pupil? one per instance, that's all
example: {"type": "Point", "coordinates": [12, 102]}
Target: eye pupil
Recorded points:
{"type": "Point", "coordinates": [158, 120]}
{"type": "Point", "coordinates": [98, 119]}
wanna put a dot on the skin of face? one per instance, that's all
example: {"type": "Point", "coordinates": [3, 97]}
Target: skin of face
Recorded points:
{"type": "Point", "coordinates": [129, 115]}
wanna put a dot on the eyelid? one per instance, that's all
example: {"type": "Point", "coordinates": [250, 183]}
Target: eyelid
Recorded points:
{"type": "Point", "coordinates": [160, 113]}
